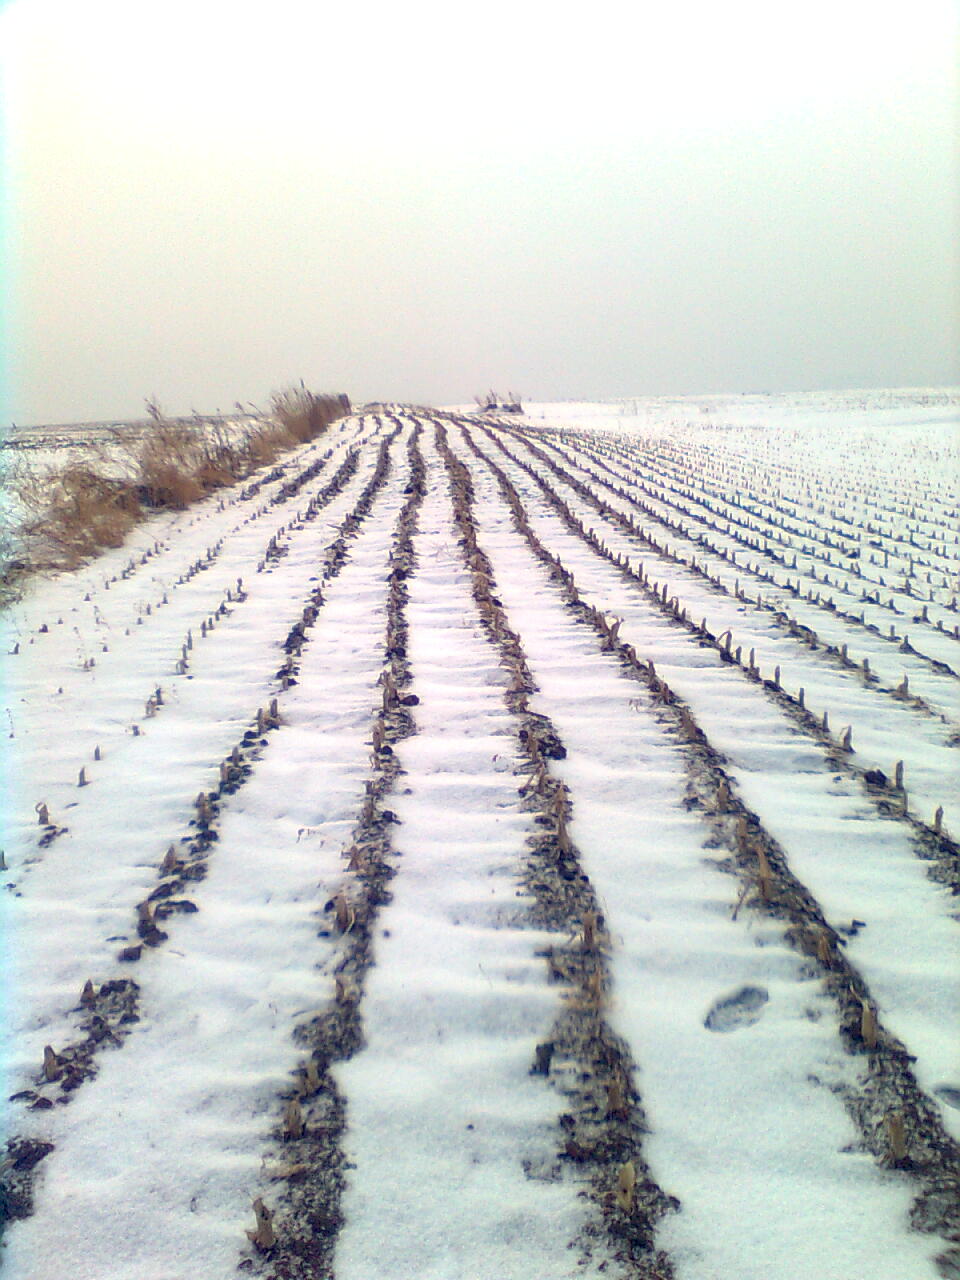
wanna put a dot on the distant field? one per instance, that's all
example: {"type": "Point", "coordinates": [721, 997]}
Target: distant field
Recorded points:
{"type": "Point", "coordinates": [497, 846]}
{"type": "Point", "coordinates": [68, 435]}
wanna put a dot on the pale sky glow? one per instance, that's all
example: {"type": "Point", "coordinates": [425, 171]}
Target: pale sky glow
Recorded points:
{"type": "Point", "coordinates": [205, 201]}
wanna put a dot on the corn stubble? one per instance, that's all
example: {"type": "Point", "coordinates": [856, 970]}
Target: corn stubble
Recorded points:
{"type": "Point", "coordinates": [889, 1081]}
{"type": "Point", "coordinates": [602, 1125]}
{"type": "Point", "coordinates": [581, 966]}
{"type": "Point", "coordinates": [308, 1163]}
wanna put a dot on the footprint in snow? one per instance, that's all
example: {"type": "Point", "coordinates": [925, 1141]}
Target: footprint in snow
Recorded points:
{"type": "Point", "coordinates": [741, 1009]}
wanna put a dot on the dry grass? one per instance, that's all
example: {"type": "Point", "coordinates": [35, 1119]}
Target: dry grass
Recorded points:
{"type": "Point", "coordinates": [304, 414]}
{"type": "Point", "coordinates": [12, 565]}
{"type": "Point", "coordinates": [70, 514]}
{"type": "Point", "coordinates": [171, 466]}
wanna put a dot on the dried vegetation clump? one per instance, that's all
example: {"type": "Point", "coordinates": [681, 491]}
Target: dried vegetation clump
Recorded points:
{"type": "Point", "coordinates": [304, 415]}
{"type": "Point", "coordinates": [74, 511]}
{"type": "Point", "coordinates": [67, 515]}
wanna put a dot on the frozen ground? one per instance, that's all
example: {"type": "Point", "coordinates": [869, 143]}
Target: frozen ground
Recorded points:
{"type": "Point", "coordinates": [462, 876]}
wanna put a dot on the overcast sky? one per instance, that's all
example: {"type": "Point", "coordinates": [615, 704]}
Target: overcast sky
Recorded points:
{"type": "Point", "coordinates": [206, 201]}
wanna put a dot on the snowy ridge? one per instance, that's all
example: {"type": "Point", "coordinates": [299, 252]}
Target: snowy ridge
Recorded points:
{"type": "Point", "coordinates": [644, 848]}
{"type": "Point", "coordinates": [442, 1101]}
{"type": "Point", "coordinates": [452, 889]}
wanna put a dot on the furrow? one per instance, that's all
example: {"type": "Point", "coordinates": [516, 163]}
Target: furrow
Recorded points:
{"type": "Point", "coordinates": [145, 668]}
{"type": "Point", "coordinates": [109, 1010]}
{"type": "Point", "coordinates": [876, 1080]}
{"type": "Point", "coordinates": [299, 1208]}
{"type": "Point", "coordinates": [834, 631]}
{"type": "Point", "coordinates": [889, 794]}
{"type": "Point", "coordinates": [598, 1137]}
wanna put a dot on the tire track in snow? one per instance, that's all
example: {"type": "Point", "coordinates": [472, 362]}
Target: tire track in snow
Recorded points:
{"type": "Point", "coordinates": [440, 1103]}
{"type": "Point", "coordinates": [886, 1104]}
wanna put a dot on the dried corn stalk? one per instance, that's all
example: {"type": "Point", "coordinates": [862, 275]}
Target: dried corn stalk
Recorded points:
{"type": "Point", "coordinates": [264, 1237]}
{"type": "Point", "coordinates": [764, 874]}
{"type": "Point", "coordinates": [626, 1186]}
{"type": "Point", "coordinates": [589, 930]}
{"type": "Point", "coordinates": [344, 914]}
{"type": "Point", "coordinates": [617, 1098]}
{"type": "Point", "coordinates": [52, 1064]}
{"type": "Point", "coordinates": [723, 796]}
{"type": "Point", "coordinates": [896, 1135]}
{"type": "Point", "coordinates": [309, 1078]}
{"type": "Point", "coordinates": [293, 1120]}
{"type": "Point", "coordinates": [868, 1024]}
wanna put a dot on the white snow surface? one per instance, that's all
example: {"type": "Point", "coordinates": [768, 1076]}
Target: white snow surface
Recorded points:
{"type": "Point", "coordinates": [725, 1108]}
{"type": "Point", "coordinates": [451, 1143]}
{"type": "Point", "coordinates": [445, 1101]}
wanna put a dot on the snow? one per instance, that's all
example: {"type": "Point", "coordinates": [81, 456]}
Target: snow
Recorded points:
{"type": "Point", "coordinates": [725, 1110]}
{"type": "Point", "coordinates": [445, 1100]}
{"type": "Point", "coordinates": [452, 1149]}
{"type": "Point", "coordinates": [184, 1131]}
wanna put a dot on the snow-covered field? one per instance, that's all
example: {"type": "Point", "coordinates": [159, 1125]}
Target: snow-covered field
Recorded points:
{"type": "Point", "coordinates": [510, 847]}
